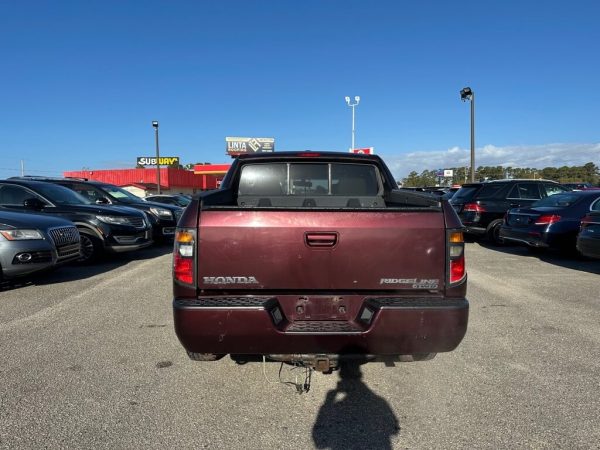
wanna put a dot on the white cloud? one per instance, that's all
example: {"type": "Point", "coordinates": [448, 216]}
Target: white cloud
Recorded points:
{"type": "Point", "coordinates": [534, 156]}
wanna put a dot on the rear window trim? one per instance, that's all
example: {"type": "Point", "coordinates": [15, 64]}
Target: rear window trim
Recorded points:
{"type": "Point", "coordinates": [380, 180]}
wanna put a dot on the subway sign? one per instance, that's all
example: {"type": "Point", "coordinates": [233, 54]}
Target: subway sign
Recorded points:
{"type": "Point", "coordinates": [164, 161]}
{"type": "Point", "coordinates": [242, 145]}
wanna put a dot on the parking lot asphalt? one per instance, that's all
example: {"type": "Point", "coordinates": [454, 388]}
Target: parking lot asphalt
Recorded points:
{"type": "Point", "coordinates": [89, 359]}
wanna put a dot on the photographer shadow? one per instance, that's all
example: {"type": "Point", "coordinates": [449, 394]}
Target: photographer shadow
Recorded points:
{"type": "Point", "coordinates": [353, 416]}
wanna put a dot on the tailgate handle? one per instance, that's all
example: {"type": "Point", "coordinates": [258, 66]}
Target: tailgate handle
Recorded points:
{"type": "Point", "coordinates": [321, 239]}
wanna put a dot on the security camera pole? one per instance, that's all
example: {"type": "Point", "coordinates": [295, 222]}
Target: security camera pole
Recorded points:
{"type": "Point", "coordinates": [468, 94]}
{"type": "Point", "coordinates": [155, 125]}
{"type": "Point", "coordinates": [352, 105]}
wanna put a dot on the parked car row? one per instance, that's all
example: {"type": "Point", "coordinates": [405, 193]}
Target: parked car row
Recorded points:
{"type": "Point", "coordinates": [537, 213]}
{"type": "Point", "coordinates": [163, 217]}
{"type": "Point", "coordinates": [46, 222]}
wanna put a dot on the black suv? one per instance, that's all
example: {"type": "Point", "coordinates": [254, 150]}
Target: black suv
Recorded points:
{"type": "Point", "coordinates": [481, 206]}
{"type": "Point", "coordinates": [101, 228]}
{"type": "Point", "coordinates": [163, 217]}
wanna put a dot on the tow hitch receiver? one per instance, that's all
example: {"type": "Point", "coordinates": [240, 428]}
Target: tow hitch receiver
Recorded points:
{"type": "Point", "coordinates": [322, 364]}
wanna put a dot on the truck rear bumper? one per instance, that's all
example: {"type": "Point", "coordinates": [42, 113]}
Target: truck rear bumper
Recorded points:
{"type": "Point", "coordinates": [260, 326]}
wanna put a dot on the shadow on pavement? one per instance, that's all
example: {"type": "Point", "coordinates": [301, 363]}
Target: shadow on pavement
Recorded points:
{"type": "Point", "coordinates": [550, 256]}
{"type": "Point", "coordinates": [75, 271]}
{"type": "Point", "coordinates": [353, 416]}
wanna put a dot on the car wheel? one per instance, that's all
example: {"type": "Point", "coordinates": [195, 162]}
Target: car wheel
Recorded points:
{"type": "Point", "coordinates": [493, 232]}
{"type": "Point", "coordinates": [91, 248]}
{"type": "Point", "coordinates": [205, 356]}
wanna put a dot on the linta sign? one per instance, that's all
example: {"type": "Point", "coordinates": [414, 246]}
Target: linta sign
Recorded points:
{"type": "Point", "coordinates": [242, 145]}
{"type": "Point", "coordinates": [163, 161]}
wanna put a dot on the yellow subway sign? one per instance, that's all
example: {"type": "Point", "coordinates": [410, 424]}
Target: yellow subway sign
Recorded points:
{"type": "Point", "coordinates": [163, 161]}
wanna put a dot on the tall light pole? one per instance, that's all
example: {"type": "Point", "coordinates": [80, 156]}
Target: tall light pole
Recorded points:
{"type": "Point", "coordinates": [352, 105]}
{"type": "Point", "coordinates": [468, 94]}
{"type": "Point", "coordinates": [155, 125]}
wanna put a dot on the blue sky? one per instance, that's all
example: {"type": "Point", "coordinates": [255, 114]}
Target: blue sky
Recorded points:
{"type": "Point", "coordinates": [80, 82]}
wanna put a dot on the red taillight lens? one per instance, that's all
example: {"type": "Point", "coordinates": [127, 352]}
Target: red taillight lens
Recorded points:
{"type": "Point", "coordinates": [473, 207]}
{"type": "Point", "coordinates": [183, 269]}
{"type": "Point", "coordinates": [456, 256]}
{"type": "Point", "coordinates": [457, 269]}
{"type": "Point", "coordinates": [547, 219]}
{"type": "Point", "coordinates": [183, 256]}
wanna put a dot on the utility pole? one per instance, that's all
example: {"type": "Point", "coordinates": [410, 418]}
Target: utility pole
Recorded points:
{"type": "Point", "coordinates": [155, 125]}
{"type": "Point", "coordinates": [467, 94]}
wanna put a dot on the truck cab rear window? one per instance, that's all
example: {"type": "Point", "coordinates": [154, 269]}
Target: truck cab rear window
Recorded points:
{"type": "Point", "coordinates": [309, 180]}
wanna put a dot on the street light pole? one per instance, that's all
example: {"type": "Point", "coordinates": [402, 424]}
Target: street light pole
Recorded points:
{"type": "Point", "coordinates": [468, 94]}
{"type": "Point", "coordinates": [352, 105]}
{"type": "Point", "coordinates": [155, 125]}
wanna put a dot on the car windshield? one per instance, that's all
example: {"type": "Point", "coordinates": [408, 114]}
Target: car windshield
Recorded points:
{"type": "Point", "coordinates": [120, 194]}
{"type": "Point", "coordinates": [558, 201]}
{"type": "Point", "coordinates": [60, 195]}
{"type": "Point", "coordinates": [179, 200]}
{"type": "Point", "coordinates": [182, 201]}
{"type": "Point", "coordinates": [448, 195]}
{"type": "Point", "coordinates": [465, 193]}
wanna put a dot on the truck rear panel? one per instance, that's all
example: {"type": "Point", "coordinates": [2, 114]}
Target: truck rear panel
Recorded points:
{"type": "Point", "coordinates": [321, 251]}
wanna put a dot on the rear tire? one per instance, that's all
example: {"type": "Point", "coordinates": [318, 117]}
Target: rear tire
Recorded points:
{"type": "Point", "coordinates": [91, 248]}
{"type": "Point", "coordinates": [493, 232]}
{"type": "Point", "coordinates": [205, 356]}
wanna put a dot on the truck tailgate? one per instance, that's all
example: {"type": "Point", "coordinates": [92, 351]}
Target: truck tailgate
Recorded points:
{"type": "Point", "coordinates": [321, 250]}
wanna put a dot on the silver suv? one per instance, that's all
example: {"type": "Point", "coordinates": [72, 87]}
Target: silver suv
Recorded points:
{"type": "Point", "coordinates": [33, 242]}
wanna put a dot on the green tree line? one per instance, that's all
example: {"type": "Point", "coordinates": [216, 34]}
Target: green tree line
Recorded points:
{"type": "Point", "coordinates": [588, 173]}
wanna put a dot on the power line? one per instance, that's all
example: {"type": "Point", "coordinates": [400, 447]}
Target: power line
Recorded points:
{"type": "Point", "coordinates": [6, 169]}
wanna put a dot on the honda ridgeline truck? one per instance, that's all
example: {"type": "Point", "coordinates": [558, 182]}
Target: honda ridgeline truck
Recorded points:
{"type": "Point", "coordinates": [312, 258]}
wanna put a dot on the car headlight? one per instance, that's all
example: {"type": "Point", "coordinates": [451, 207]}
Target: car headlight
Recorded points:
{"type": "Point", "coordinates": [113, 220]}
{"type": "Point", "coordinates": [162, 213]}
{"type": "Point", "coordinates": [21, 235]}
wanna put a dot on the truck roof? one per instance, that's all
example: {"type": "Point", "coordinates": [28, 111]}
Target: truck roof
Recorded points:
{"type": "Point", "coordinates": [311, 154]}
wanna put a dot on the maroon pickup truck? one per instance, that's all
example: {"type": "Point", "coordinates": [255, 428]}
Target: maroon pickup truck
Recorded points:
{"type": "Point", "coordinates": [312, 258]}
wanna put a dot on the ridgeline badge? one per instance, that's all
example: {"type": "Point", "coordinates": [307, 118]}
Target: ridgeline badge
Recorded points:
{"type": "Point", "coordinates": [414, 283]}
{"type": "Point", "coordinates": [230, 280]}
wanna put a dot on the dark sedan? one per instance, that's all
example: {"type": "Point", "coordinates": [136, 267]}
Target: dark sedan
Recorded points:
{"type": "Point", "coordinates": [588, 240]}
{"type": "Point", "coordinates": [552, 222]}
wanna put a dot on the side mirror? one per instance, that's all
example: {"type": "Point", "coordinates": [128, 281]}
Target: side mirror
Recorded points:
{"type": "Point", "coordinates": [34, 203]}
{"type": "Point", "coordinates": [102, 201]}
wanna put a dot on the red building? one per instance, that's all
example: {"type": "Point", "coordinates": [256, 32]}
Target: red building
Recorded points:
{"type": "Point", "coordinates": [142, 182]}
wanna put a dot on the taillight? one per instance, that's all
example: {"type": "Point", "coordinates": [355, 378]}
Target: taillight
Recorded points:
{"type": "Point", "coordinates": [473, 207]}
{"type": "Point", "coordinates": [587, 220]}
{"type": "Point", "coordinates": [184, 255]}
{"type": "Point", "coordinates": [456, 256]}
{"type": "Point", "coordinates": [547, 219]}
